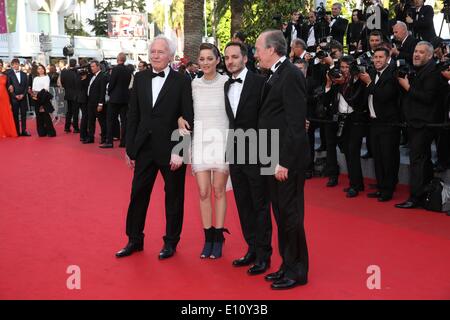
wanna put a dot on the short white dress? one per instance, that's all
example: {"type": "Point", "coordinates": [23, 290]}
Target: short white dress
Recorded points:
{"type": "Point", "coordinates": [210, 125]}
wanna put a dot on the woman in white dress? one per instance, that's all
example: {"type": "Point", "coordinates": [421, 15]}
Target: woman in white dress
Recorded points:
{"type": "Point", "coordinates": [208, 148]}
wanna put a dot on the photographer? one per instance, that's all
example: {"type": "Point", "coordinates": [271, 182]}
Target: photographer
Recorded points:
{"type": "Point", "coordinates": [336, 23]}
{"type": "Point", "coordinates": [354, 31]}
{"type": "Point", "coordinates": [404, 44]}
{"type": "Point", "coordinates": [419, 108]}
{"type": "Point", "coordinates": [313, 30]}
{"type": "Point", "coordinates": [293, 30]}
{"type": "Point", "coordinates": [344, 93]}
{"type": "Point", "coordinates": [421, 21]}
{"type": "Point", "coordinates": [298, 50]}
{"type": "Point", "coordinates": [382, 94]}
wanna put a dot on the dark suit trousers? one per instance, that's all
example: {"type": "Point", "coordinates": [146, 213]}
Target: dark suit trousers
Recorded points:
{"type": "Point", "coordinates": [352, 141]}
{"type": "Point", "coordinates": [20, 107]}
{"type": "Point", "coordinates": [72, 113]}
{"type": "Point", "coordinates": [44, 124]}
{"type": "Point", "coordinates": [252, 201]}
{"type": "Point", "coordinates": [288, 207]}
{"type": "Point", "coordinates": [312, 139]}
{"type": "Point", "coordinates": [421, 167]}
{"type": "Point", "coordinates": [84, 121]}
{"type": "Point", "coordinates": [93, 114]}
{"type": "Point", "coordinates": [144, 178]}
{"type": "Point", "coordinates": [114, 110]}
{"type": "Point", "coordinates": [386, 156]}
{"type": "Point", "coordinates": [332, 167]}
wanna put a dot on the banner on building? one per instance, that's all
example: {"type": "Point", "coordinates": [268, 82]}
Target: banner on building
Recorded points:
{"type": "Point", "coordinates": [3, 25]}
{"type": "Point", "coordinates": [11, 14]}
{"type": "Point", "coordinates": [127, 25]}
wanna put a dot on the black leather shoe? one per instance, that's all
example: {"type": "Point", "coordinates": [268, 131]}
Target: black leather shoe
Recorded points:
{"type": "Point", "coordinates": [348, 188]}
{"type": "Point", "coordinates": [76, 130]}
{"type": "Point", "coordinates": [129, 249]}
{"type": "Point", "coordinates": [384, 198]}
{"type": "Point", "coordinates": [106, 146]}
{"type": "Point", "coordinates": [351, 193]}
{"type": "Point", "coordinates": [287, 283]}
{"type": "Point", "coordinates": [122, 145]}
{"type": "Point", "coordinates": [408, 204]}
{"type": "Point", "coordinates": [166, 252]}
{"type": "Point", "coordinates": [259, 268]}
{"type": "Point", "coordinates": [245, 260]}
{"type": "Point", "coordinates": [25, 134]}
{"type": "Point", "coordinates": [88, 141]}
{"type": "Point", "coordinates": [376, 194]}
{"type": "Point", "coordinates": [275, 276]}
{"type": "Point", "coordinates": [309, 174]}
{"type": "Point", "coordinates": [332, 182]}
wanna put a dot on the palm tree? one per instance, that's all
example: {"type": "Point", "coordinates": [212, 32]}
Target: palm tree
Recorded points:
{"type": "Point", "coordinates": [193, 28]}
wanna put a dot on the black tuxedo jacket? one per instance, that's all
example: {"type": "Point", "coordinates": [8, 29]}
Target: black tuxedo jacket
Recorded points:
{"type": "Point", "coordinates": [317, 32]}
{"type": "Point", "coordinates": [157, 123]}
{"type": "Point", "coordinates": [406, 50]}
{"type": "Point", "coordinates": [284, 108]}
{"type": "Point", "coordinates": [118, 84]}
{"type": "Point", "coordinates": [248, 108]}
{"type": "Point", "coordinates": [423, 27]}
{"type": "Point", "coordinates": [70, 81]}
{"type": "Point", "coordinates": [288, 34]}
{"type": "Point", "coordinates": [338, 29]}
{"type": "Point", "coordinates": [97, 90]}
{"type": "Point", "coordinates": [385, 95]}
{"type": "Point", "coordinates": [354, 96]}
{"type": "Point", "coordinates": [19, 88]}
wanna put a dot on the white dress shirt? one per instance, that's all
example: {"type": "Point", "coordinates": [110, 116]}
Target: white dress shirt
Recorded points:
{"type": "Point", "coordinates": [275, 66]}
{"type": "Point", "coordinates": [92, 81]}
{"type": "Point", "coordinates": [17, 73]}
{"type": "Point", "coordinates": [234, 93]}
{"type": "Point", "coordinates": [293, 32]}
{"type": "Point", "coordinates": [370, 100]}
{"type": "Point", "coordinates": [157, 84]}
{"type": "Point", "coordinates": [311, 37]}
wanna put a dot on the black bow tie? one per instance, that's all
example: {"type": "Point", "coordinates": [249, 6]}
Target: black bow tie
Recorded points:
{"type": "Point", "coordinates": [160, 74]}
{"type": "Point", "coordinates": [379, 74]}
{"type": "Point", "coordinates": [231, 80]}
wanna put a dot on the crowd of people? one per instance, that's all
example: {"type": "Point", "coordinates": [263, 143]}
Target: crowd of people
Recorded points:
{"type": "Point", "coordinates": [392, 84]}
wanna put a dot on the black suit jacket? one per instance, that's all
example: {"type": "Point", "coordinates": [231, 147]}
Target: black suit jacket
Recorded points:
{"type": "Point", "coordinates": [284, 108]}
{"type": "Point", "coordinates": [385, 96]}
{"type": "Point", "coordinates": [118, 84]}
{"type": "Point", "coordinates": [157, 123]}
{"type": "Point", "coordinates": [70, 81]}
{"type": "Point", "coordinates": [338, 29]}
{"type": "Point", "coordinates": [248, 109]}
{"type": "Point", "coordinates": [288, 34]}
{"type": "Point", "coordinates": [423, 27]}
{"type": "Point", "coordinates": [19, 88]}
{"type": "Point", "coordinates": [406, 50]}
{"type": "Point", "coordinates": [97, 90]}
{"type": "Point", "coordinates": [318, 33]}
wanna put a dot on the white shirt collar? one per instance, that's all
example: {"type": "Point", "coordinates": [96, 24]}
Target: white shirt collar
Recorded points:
{"type": "Point", "coordinates": [242, 74]}
{"type": "Point", "coordinates": [273, 68]}
{"type": "Point", "coordinates": [382, 70]}
{"type": "Point", "coordinates": [166, 71]}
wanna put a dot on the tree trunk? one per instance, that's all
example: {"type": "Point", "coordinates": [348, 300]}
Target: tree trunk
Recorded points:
{"type": "Point", "coordinates": [193, 28]}
{"type": "Point", "coordinates": [237, 9]}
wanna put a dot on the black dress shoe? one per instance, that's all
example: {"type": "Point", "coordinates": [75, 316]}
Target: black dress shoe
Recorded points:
{"type": "Point", "coordinates": [275, 276]}
{"type": "Point", "coordinates": [376, 194]}
{"type": "Point", "coordinates": [129, 249]}
{"type": "Point", "coordinates": [384, 198]}
{"type": "Point", "coordinates": [122, 145]}
{"type": "Point", "coordinates": [76, 130]}
{"type": "Point", "coordinates": [408, 204]}
{"type": "Point", "coordinates": [67, 131]}
{"type": "Point", "coordinates": [287, 283]}
{"type": "Point", "coordinates": [351, 193]}
{"type": "Point", "coordinates": [106, 146]}
{"type": "Point", "coordinates": [25, 134]}
{"type": "Point", "coordinates": [245, 260]}
{"type": "Point", "coordinates": [357, 189]}
{"type": "Point", "coordinates": [332, 182]}
{"type": "Point", "coordinates": [309, 174]}
{"type": "Point", "coordinates": [86, 141]}
{"type": "Point", "coordinates": [166, 252]}
{"type": "Point", "coordinates": [259, 268]}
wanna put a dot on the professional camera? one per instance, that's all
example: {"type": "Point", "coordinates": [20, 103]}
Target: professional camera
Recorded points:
{"type": "Point", "coordinates": [321, 13]}
{"type": "Point", "coordinates": [444, 65]}
{"type": "Point", "coordinates": [341, 123]}
{"type": "Point", "coordinates": [361, 65]}
{"type": "Point", "coordinates": [335, 73]}
{"type": "Point", "coordinates": [325, 48]}
{"type": "Point", "coordinates": [404, 69]}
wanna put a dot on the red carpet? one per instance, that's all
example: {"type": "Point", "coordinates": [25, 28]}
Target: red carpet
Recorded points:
{"type": "Point", "coordinates": [63, 203]}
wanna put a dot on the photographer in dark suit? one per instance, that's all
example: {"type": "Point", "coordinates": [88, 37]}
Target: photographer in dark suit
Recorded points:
{"type": "Point", "coordinates": [293, 29]}
{"type": "Point", "coordinates": [159, 97]}
{"type": "Point", "coordinates": [421, 20]}
{"type": "Point", "coordinates": [17, 84]}
{"type": "Point", "coordinates": [242, 102]}
{"type": "Point", "coordinates": [70, 81]}
{"type": "Point", "coordinates": [119, 95]}
{"type": "Point", "coordinates": [405, 44]}
{"type": "Point", "coordinates": [337, 24]}
{"type": "Point", "coordinates": [82, 100]}
{"type": "Point", "coordinates": [382, 94]}
{"type": "Point", "coordinates": [420, 108]}
{"type": "Point", "coordinates": [96, 102]}
{"type": "Point", "coordinates": [283, 110]}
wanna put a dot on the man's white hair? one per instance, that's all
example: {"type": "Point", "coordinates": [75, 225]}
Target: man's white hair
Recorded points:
{"type": "Point", "coordinates": [402, 25]}
{"type": "Point", "coordinates": [170, 45]}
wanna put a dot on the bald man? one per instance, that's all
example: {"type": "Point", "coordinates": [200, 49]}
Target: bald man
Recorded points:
{"type": "Point", "coordinates": [404, 43]}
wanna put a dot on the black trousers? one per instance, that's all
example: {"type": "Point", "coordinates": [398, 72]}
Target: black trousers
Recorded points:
{"type": "Point", "coordinates": [20, 107]}
{"type": "Point", "coordinates": [252, 200]}
{"type": "Point", "coordinates": [44, 124]}
{"type": "Point", "coordinates": [84, 121]}
{"type": "Point", "coordinates": [288, 207]}
{"type": "Point", "coordinates": [352, 141]}
{"type": "Point", "coordinates": [114, 110]}
{"type": "Point", "coordinates": [93, 114]}
{"type": "Point", "coordinates": [420, 165]}
{"type": "Point", "coordinates": [144, 178]}
{"type": "Point", "coordinates": [312, 139]}
{"type": "Point", "coordinates": [332, 167]}
{"type": "Point", "coordinates": [72, 113]}
{"type": "Point", "coordinates": [443, 146]}
{"type": "Point", "coordinates": [386, 156]}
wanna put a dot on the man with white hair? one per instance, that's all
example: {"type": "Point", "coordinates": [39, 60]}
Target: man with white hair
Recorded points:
{"type": "Point", "coordinates": [405, 43]}
{"type": "Point", "coordinates": [159, 97]}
